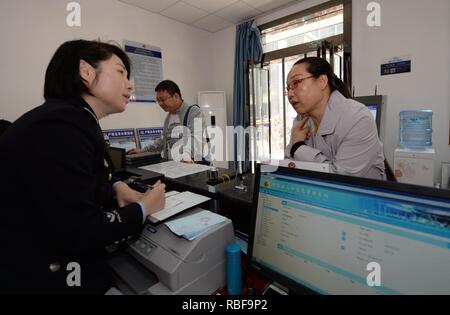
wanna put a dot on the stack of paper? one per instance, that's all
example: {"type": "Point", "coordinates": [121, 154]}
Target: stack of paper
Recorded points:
{"type": "Point", "coordinates": [174, 169]}
{"type": "Point", "coordinates": [196, 224]}
{"type": "Point", "coordinates": [177, 202]}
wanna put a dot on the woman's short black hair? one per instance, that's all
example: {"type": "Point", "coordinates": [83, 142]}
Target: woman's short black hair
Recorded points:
{"type": "Point", "coordinates": [169, 86]}
{"type": "Point", "coordinates": [318, 66]}
{"type": "Point", "coordinates": [62, 78]}
{"type": "Point", "coordinates": [4, 124]}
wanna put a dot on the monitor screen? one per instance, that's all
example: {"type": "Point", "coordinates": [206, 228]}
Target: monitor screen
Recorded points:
{"type": "Point", "coordinates": [121, 138]}
{"type": "Point", "coordinates": [373, 110]}
{"type": "Point", "coordinates": [332, 234]}
{"type": "Point", "coordinates": [148, 136]}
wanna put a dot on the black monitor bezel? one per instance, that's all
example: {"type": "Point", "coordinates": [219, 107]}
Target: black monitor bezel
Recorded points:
{"type": "Point", "coordinates": [388, 186]}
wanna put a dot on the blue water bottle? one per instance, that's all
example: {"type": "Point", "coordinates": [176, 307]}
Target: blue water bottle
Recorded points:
{"type": "Point", "coordinates": [234, 275]}
{"type": "Point", "coordinates": [416, 128]}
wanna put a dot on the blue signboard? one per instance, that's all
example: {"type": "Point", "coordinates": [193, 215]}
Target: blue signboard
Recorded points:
{"type": "Point", "coordinates": [396, 66]}
{"type": "Point", "coordinates": [120, 138]}
{"type": "Point", "coordinates": [146, 70]}
{"type": "Point", "coordinates": [148, 136]}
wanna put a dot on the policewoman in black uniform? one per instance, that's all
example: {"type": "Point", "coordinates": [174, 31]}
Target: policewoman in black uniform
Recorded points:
{"type": "Point", "coordinates": [60, 203]}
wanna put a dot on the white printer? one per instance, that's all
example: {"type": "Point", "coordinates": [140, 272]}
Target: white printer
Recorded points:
{"type": "Point", "coordinates": [160, 262]}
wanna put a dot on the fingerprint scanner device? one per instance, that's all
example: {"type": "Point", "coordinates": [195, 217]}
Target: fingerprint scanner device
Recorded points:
{"type": "Point", "coordinates": [160, 262]}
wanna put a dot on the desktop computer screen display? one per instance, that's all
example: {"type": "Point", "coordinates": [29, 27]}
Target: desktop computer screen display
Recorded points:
{"type": "Point", "coordinates": [373, 110]}
{"type": "Point", "coordinates": [148, 136]}
{"type": "Point", "coordinates": [332, 234]}
{"type": "Point", "coordinates": [121, 138]}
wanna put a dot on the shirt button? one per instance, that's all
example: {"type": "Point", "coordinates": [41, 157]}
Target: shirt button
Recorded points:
{"type": "Point", "coordinates": [110, 176]}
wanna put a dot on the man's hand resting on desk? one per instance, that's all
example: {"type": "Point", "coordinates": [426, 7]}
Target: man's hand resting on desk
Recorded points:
{"type": "Point", "coordinates": [134, 151]}
{"type": "Point", "coordinates": [125, 195]}
{"type": "Point", "coordinates": [154, 200]}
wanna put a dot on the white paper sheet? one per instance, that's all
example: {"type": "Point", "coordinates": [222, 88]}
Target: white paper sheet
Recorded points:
{"type": "Point", "coordinates": [174, 169]}
{"type": "Point", "coordinates": [177, 203]}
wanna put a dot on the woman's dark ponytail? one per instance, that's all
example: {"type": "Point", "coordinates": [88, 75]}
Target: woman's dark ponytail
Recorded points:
{"type": "Point", "coordinates": [318, 66]}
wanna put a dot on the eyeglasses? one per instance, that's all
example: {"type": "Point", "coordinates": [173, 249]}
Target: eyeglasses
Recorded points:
{"type": "Point", "coordinates": [294, 84]}
{"type": "Point", "coordinates": [163, 100]}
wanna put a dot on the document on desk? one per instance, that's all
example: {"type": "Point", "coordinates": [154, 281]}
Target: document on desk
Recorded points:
{"type": "Point", "coordinates": [175, 203]}
{"type": "Point", "coordinates": [192, 226]}
{"type": "Point", "coordinates": [174, 169]}
{"type": "Point", "coordinates": [171, 193]}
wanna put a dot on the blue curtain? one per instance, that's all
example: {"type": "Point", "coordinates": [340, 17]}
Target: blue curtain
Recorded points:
{"type": "Point", "coordinates": [248, 47]}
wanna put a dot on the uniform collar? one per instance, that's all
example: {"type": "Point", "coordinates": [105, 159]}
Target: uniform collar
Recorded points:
{"type": "Point", "coordinates": [81, 103]}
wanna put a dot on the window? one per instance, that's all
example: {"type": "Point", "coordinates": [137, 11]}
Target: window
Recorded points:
{"type": "Point", "coordinates": [306, 29]}
{"type": "Point", "coordinates": [318, 31]}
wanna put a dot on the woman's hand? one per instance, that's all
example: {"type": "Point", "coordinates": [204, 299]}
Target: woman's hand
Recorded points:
{"type": "Point", "coordinates": [125, 195]}
{"type": "Point", "coordinates": [154, 200]}
{"type": "Point", "coordinates": [299, 132]}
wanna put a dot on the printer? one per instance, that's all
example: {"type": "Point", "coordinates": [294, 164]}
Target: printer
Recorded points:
{"type": "Point", "coordinates": [161, 263]}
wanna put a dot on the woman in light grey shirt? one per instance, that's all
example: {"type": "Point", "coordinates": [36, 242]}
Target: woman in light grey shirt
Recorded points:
{"type": "Point", "coordinates": [331, 127]}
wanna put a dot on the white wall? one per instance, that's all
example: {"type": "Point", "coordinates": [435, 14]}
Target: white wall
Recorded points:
{"type": "Point", "coordinates": [420, 29]}
{"type": "Point", "coordinates": [30, 32]}
{"type": "Point", "coordinates": [417, 28]}
{"type": "Point", "coordinates": [223, 66]}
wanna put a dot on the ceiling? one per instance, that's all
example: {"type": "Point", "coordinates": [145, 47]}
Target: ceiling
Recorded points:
{"type": "Point", "coordinates": [210, 15]}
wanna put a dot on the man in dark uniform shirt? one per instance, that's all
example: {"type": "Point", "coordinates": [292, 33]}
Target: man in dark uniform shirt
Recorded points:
{"type": "Point", "coordinates": [58, 209]}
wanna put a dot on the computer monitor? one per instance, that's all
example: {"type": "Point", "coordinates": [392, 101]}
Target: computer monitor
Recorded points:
{"type": "Point", "coordinates": [320, 233]}
{"type": "Point", "coordinates": [377, 106]}
{"type": "Point", "coordinates": [148, 136]}
{"type": "Point", "coordinates": [121, 138]}
{"type": "Point", "coordinates": [117, 156]}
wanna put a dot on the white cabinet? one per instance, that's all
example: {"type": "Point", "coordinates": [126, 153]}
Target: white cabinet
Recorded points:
{"type": "Point", "coordinates": [415, 167]}
{"type": "Point", "coordinates": [214, 108]}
